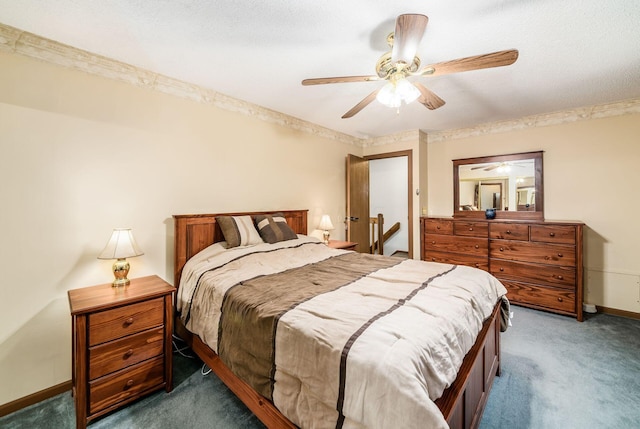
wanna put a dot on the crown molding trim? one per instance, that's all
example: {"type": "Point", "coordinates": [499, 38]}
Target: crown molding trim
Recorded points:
{"type": "Point", "coordinates": [626, 107]}
{"type": "Point", "coordinates": [31, 45]}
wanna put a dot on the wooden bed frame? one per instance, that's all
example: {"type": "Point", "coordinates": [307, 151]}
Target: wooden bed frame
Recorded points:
{"type": "Point", "coordinates": [461, 404]}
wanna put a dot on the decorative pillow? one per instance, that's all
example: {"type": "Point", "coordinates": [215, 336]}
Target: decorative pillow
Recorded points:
{"type": "Point", "coordinates": [273, 228]}
{"type": "Point", "coordinates": [238, 230]}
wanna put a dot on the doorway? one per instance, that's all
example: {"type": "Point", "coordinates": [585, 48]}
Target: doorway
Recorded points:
{"type": "Point", "coordinates": [398, 205]}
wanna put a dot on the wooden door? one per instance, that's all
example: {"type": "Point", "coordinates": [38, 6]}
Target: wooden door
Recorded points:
{"type": "Point", "coordinates": [357, 220]}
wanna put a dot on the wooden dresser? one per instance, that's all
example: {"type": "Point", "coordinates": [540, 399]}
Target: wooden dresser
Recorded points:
{"type": "Point", "coordinates": [539, 262]}
{"type": "Point", "coordinates": [121, 344]}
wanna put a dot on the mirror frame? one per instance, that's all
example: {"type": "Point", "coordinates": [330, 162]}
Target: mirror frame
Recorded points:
{"type": "Point", "coordinates": [501, 214]}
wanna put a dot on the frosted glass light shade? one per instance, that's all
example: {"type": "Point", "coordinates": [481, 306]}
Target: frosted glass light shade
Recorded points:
{"type": "Point", "coordinates": [395, 92]}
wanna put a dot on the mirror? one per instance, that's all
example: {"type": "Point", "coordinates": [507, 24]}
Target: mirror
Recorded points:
{"type": "Point", "coordinates": [510, 184]}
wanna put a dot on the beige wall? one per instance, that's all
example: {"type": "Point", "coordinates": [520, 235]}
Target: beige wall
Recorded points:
{"type": "Point", "coordinates": [591, 174]}
{"type": "Point", "coordinates": [82, 155]}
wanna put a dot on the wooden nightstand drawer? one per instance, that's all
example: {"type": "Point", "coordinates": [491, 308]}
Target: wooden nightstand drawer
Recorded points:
{"type": "Point", "coordinates": [116, 323]}
{"type": "Point", "coordinates": [118, 354]}
{"type": "Point", "coordinates": [112, 389]}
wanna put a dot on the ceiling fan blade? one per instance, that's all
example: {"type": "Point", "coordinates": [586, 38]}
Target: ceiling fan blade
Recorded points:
{"type": "Point", "coordinates": [428, 98]}
{"type": "Point", "coordinates": [323, 80]}
{"type": "Point", "coordinates": [494, 59]}
{"type": "Point", "coordinates": [361, 105]}
{"type": "Point", "coordinates": [409, 31]}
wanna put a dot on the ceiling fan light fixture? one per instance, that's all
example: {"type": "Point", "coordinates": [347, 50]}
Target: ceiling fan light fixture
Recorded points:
{"type": "Point", "coordinates": [397, 91]}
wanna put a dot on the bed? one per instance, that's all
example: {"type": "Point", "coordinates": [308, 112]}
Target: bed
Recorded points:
{"type": "Point", "coordinates": [363, 381]}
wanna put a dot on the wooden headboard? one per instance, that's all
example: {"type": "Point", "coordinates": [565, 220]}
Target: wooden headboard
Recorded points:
{"type": "Point", "coordinates": [195, 232]}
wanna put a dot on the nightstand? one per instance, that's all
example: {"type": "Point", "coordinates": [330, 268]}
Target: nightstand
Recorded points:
{"type": "Point", "coordinates": [346, 245]}
{"type": "Point", "coordinates": [121, 344]}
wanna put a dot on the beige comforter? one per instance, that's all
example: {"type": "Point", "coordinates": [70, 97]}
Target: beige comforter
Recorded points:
{"type": "Point", "coordinates": [372, 348]}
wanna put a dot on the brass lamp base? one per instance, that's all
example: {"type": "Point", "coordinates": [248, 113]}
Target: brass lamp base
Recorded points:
{"type": "Point", "coordinates": [325, 237]}
{"type": "Point", "coordinates": [120, 271]}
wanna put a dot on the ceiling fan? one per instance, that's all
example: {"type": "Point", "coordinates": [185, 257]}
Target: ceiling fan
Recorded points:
{"type": "Point", "coordinates": [401, 62]}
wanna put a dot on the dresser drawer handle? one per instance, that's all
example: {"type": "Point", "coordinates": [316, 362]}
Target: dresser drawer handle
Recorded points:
{"type": "Point", "coordinates": [433, 242]}
{"type": "Point", "coordinates": [128, 354]}
{"type": "Point", "coordinates": [501, 269]}
{"type": "Point", "coordinates": [477, 265]}
{"type": "Point", "coordinates": [502, 249]}
{"type": "Point", "coordinates": [508, 231]}
{"type": "Point", "coordinates": [560, 277]}
{"type": "Point", "coordinates": [560, 255]}
{"type": "Point", "coordinates": [552, 234]}
{"type": "Point", "coordinates": [129, 383]}
{"type": "Point", "coordinates": [470, 229]}
{"type": "Point", "coordinates": [476, 246]}
{"type": "Point", "coordinates": [559, 299]}
{"type": "Point", "coordinates": [433, 259]}
{"type": "Point", "coordinates": [129, 321]}
{"type": "Point", "coordinates": [438, 227]}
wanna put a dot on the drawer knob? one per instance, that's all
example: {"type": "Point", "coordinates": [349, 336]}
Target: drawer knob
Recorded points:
{"type": "Point", "coordinates": [128, 353]}
{"type": "Point", "coordinates": [433, 259]}
{"type": "Point", "coordinates": [559, 299]}
{"type": "Point", "coordinates": [552, 234]}
{"type": "Point", "coordinates": [560, 277]}
{"type": "Point", "coordinates": [129, 321]}
{"type": "Point", "coordinates": [502, 249]}
{"type": "Point", "coordinates": [501, 269]}
{"type": "Point", "coordinates": [438, 227]}
{"type": "Point", "coordinates": [477, 265]}
{"type": "Point", "coordinates": [477, 247]}
{"type": "Point", "coordinates": [433, 242]}
{"type": "Point", "coordinates": [129, 383]}
{"type": "Point", "coordinates": [560, 255]}
{"type": "Point", "coordinates": [508, 231]}
{"type": "Point", "coordinates": [470, 229]}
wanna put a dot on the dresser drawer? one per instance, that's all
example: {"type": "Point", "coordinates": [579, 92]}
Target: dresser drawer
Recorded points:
{"type": "Point", "coordinates": [120, 386]}
{"type": "Point", "coordinates": [533, 252]}
{"type": "Point", "coordinates": [540, 296]}
{"type": "Point", "coordinates": [439, 226]}
{"type": "Point", "coordinates": [561, 234]}
{"type": "Point", "coordinates": [549, 275]}
{"type": "Point", "coordinates": [471, 229]}
{"type": "Point", "coordinates": [509, 231]}
{"type": "Point", "coordinates": [450, 243]}
{"type": "Point", "coordinates": [481, 262]}
{"type": "Point", "coordinates": [115, 355]}
{"type": "Point", "coordinates": [116, 323]}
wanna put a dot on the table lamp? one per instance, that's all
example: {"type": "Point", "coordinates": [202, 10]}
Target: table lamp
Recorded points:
{"type": "Point", "coordinates": [325, 225]}
{"type": "Point", "coordinates": [121, 245]}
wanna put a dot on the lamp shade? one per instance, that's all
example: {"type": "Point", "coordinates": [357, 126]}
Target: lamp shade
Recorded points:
{"type": "Point", "coordinates": [325, 223]}
{"type": "Point", "coordinates": [121, 245]}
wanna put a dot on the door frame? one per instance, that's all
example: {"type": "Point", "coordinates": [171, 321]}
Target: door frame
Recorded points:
{"type": "Point", "coordinates": [409, 154]}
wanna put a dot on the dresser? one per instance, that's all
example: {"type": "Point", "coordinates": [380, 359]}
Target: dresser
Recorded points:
{"type": "Point", "coordinates": [121, 344]}
{"type": "Point", "coordinates": [539, 262]}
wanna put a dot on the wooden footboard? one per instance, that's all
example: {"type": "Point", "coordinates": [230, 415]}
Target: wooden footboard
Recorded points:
{"type": "Point", "coordinates": [462, 403]}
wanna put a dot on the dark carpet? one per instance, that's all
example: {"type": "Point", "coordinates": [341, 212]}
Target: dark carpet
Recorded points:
{"type": "Point", "coordinates": [556, 373]}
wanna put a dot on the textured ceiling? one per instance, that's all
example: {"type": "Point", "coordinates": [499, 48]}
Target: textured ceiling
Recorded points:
{"type": "Point", "coordinates": [573, 53]}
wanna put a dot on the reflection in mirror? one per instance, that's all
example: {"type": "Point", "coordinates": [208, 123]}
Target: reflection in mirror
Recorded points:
{"type": "Point", "coordinates": [508, 183]}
